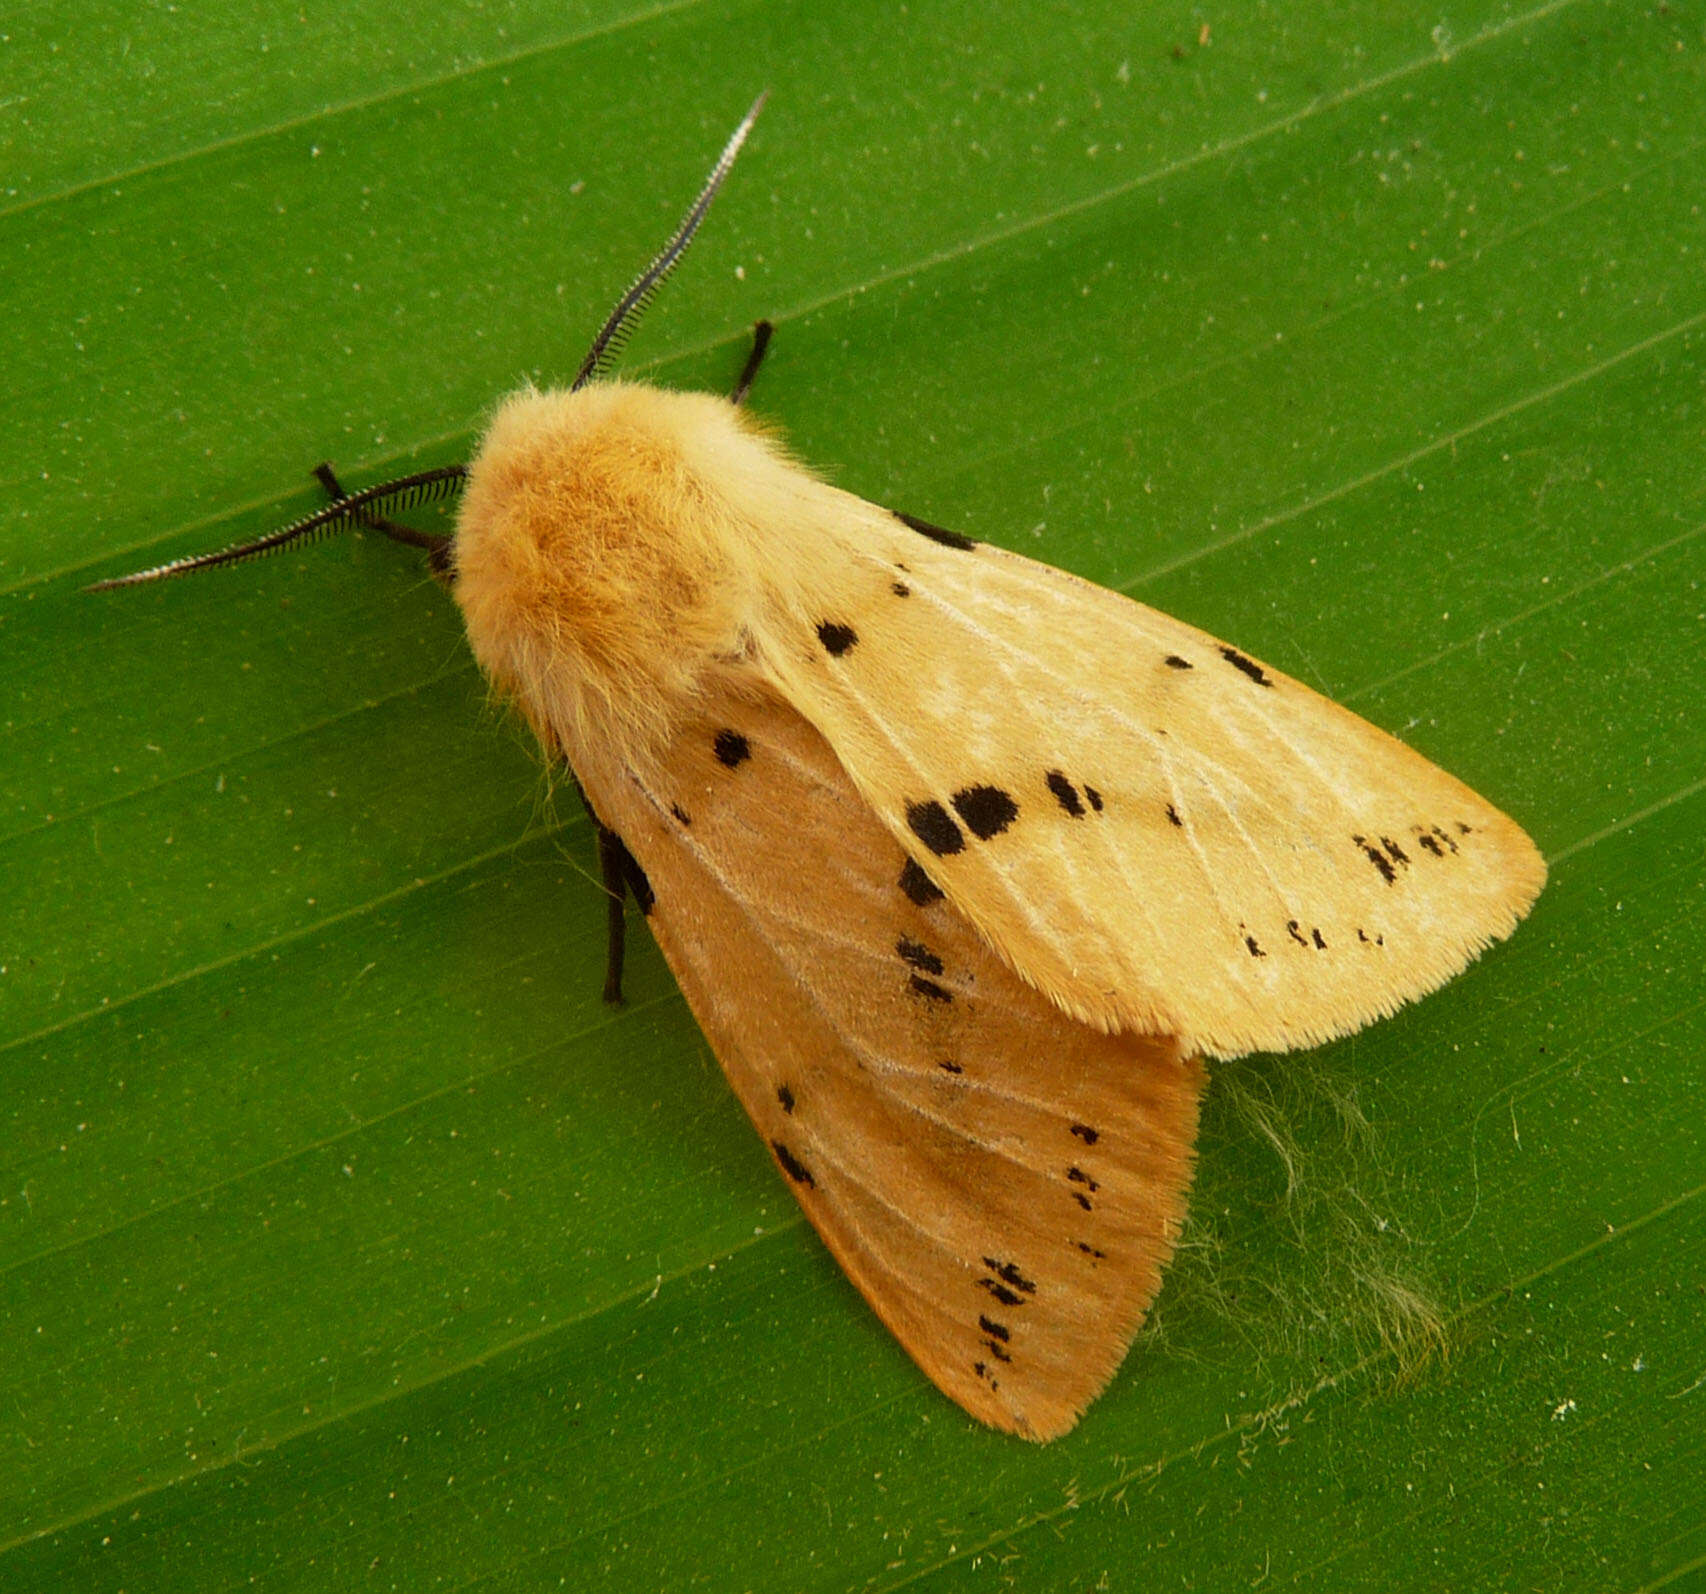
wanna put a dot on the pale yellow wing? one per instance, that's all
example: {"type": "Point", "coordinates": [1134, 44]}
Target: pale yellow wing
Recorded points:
{"type": "Point", "coordinates": [1001, 1183]}
{"type": "Point", "coordinates": [1157, 830]}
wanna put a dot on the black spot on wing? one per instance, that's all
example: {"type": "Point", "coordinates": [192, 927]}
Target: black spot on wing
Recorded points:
{"type": "Point", "coordinates": [1095, 798]}
{"type": "Point", "coordinates": [900, 589]}
{"type": "Point", "coordinates": [998, 1350]}
{"type": "Point", "coordinates": [732, 749]}
{"type": "Point", "coordinates": [1085, 1133]}
{"type": "Point", "coordinates": [1002, 1293]}
{"type": "Point", "coordinates": [1249, 666]}
{"type": "Point", "coordinates": [1173, 817]}
{"type": "Point", "coordinates": [1009, 1271]}
{"type": "Point", "coordinates": [1292, 929]}
{"type": "Point", "coordinates": [1441, 836]}
{"type": "Point", "coordinates": [1090, 1250]}
{"type": "Point", "coordinates": [1083, 1201]}
{"type": "Point", "coordinates": [1376, 857]}
{"type": "Point", "coordinates": [950, 1068]}
{"type": "Point", "coordinates": [1320, 945]}
{"type": "Point", "coordinates": [919, 956]}
{"type": "Point", "coordinates": [987, 810]}
{"type": "Point", "coordinates": [930, 989]}
{"type": "Point", "coordinates": [1000, 1330]}
{"type": "Point", "coordinates": [1254, 946]}
{"type": "Point", "coordinates": [1394, 851]}
{"type": "Point", "coordinates": [1065, 793]}
{"type": "Point", "coordinates": [1174, 662]}
{"type": "Point", "coordinates": [791, 1165]}
{"type": "Point", "coordinates": [680, 813]}
{"type": "Point", "coordinates": [1079, 1176]}
{"type": "Point", "coordinates": [786, 1097]}
{"type": "Point", "coordinates": [948, 539]}
{"type": "Point", "coordinates": [930, 823]}
{"type": "Point", "coordinates": [1428, 844]}
{"type": "Point", "coordinates": [836, 639]}
{"type": "Point", "coordinates": [920, 889]}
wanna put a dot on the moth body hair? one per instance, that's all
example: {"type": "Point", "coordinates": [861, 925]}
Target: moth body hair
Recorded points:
{"type": "Point", "coordinates": [612, 547]}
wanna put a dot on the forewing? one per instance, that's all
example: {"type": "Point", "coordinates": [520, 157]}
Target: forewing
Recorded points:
{"type": "Point", "coordinates": [1156, 829]}
{"type": "Point", "coordinates": [1002, 1183]}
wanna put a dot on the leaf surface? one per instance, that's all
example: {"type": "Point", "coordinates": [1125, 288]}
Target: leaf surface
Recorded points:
{"type": "Point", "coordinates": [346, 1241]}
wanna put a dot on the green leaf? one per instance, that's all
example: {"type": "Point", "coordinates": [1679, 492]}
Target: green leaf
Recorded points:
{"type": "Point", "coordinates": [347, 1241]}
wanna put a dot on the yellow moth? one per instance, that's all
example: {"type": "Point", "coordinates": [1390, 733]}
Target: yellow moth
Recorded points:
{"type": "Point", "coordinates": [962, 863]}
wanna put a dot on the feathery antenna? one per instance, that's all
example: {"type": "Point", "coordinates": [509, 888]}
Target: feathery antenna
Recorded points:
{"type": "Point", "coordinates": [620, 323]}
{"type": "Point", "coordinates": [369, 506]}
{"type": "Point", "coordinates": [358, 509]}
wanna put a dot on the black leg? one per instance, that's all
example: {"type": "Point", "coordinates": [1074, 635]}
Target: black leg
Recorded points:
{"type": "Point", "coordinates": [761, 331]}
{"type": "Point", "coordinates": [437, 546]}
{"type": "Point", "coordinates": [612, 856]}
{"type": "Point", "coordinates": [621, 875]}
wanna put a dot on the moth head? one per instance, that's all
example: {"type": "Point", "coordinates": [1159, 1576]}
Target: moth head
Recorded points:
{"type": "Point", "coordinates": [372, 506]}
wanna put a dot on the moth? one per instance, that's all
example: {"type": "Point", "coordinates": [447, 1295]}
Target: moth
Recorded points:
{"type": "Point", "coordinates": [963, 864]}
